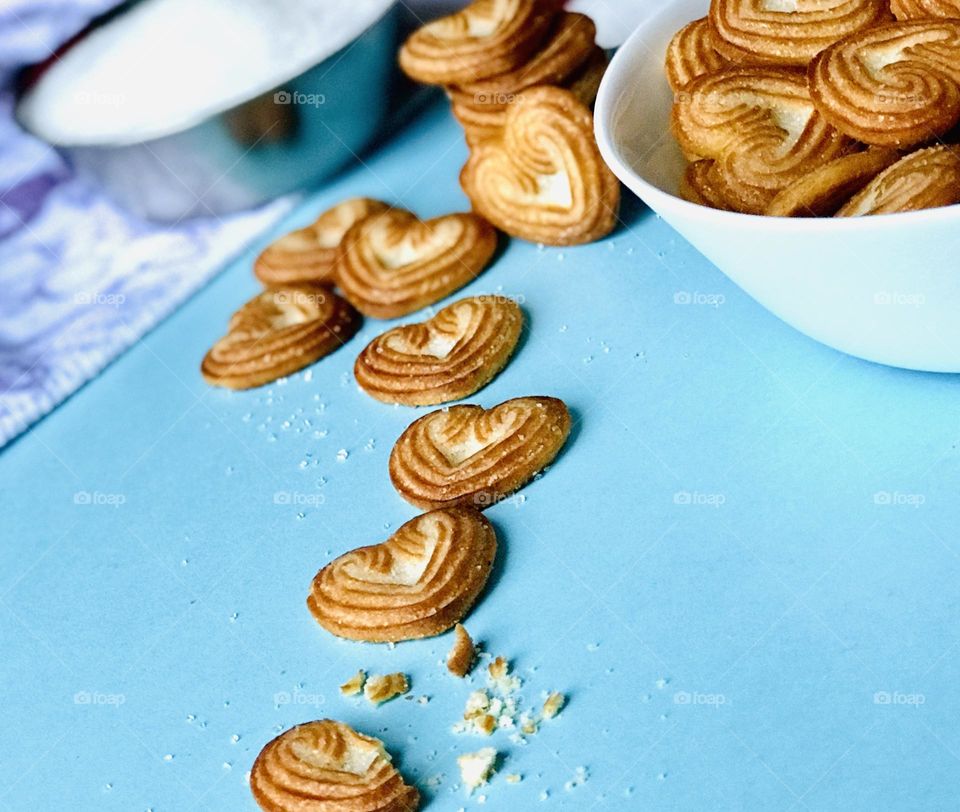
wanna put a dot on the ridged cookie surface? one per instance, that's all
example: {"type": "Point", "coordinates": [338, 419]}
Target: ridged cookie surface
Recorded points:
{"type": "Point", "coordinates": [924, 179]}
{"type": "Point", "coordinates": [486, 38]}
{"type": "Point", "coordinates": [761, 128]}
{"type": "Point", "coordinates": [788, 33]}
{"type": "Point", "coordinates": [419, 583]}
{"type": "Point", "coordinates": [894, 85]}
{"type": "Point", "coordinates": [543, 179]}
{"type": "Point", "coordinates": [393, 263]}
{"type": "Point", "coordinates": [309, 254]}
{"type": "Point", "coordinates": [473, 456]}
{"type": "Point", "coordinates": [277, 333]}
{"type": "Point", "coordinates": [326, 766]}
{"type": "Point", "coordinates": [450, 356]}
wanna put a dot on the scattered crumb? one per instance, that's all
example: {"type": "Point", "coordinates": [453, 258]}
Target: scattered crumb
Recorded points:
{"type": "Point", "coordinates": [580, 776]}
{"type": "Point", "coordinates": [553, 705]}
{"type": "Point", "coordinates": [500, 679]}
{"type": "Point", "coordinates": [461, 656]}
{"type": "Point", "coordinates": [481, 799]}
{"type": "Point", "coordinates": [423, 700]}
{"type": "Point", "coordinates": [354, 685]}
{"type": "Point", "coordinates": [544, 795]}
{"type": "Point", "coordinates": [383, 688]}
{"type": "Point", "coordinates": [486, 724]}
{"type": "Point", "coordinates": [528, 725]}
{"type": "Point", "coordinates": [476, 768]}
{"type": "Point", "coordinates": [434, 781]}
{"type": "Point", "coordinates": [514, 778]}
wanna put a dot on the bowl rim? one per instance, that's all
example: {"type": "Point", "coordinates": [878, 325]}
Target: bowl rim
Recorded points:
{"type": "Point", "coordinates": [608, 101]}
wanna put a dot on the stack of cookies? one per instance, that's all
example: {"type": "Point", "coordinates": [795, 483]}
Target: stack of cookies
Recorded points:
{"type": "Point", "coordinates": [522, 76]}
{"type": "Point", "coordinates": [819, 109]}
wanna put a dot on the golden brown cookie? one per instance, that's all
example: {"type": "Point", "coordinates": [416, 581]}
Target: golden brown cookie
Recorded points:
{"type": "Point", "coordinates": [925, 179]}
{"type": "Point", "coordinates": [760, 127]}
{"type": "Point", "coordinates": [467, 455]}
{"type": "Point", "coordinates": [774, 32]}
{"type": "Point", "coordinates": [698, 186]}
{"type": "Point", "coordinates": [277, 333]}
{"type": "Point", "coordinates": [393, 263]}
{"type": "Point", "coordinates": [924, 9]}
{"type": "Point", "coordinates": [894, 85]}
{"type": "Point", "coordinates": [483, 104]}
{"type": "Point", "coordinates": [822, 191]}
{"type": "Point", "coordinates": [309, 254]}
{"type": "Point", "coordinates": [326, 766]}
{"type": "Point", "coordinates": [482, 122]}
{"type": "Point", "coordinates": [418, 583]}
{"type": "Point", "coordinates": [486, 38]}
{"type": "Point", "coordinates": [543, 179]}
{"type": "Point", "coordinates": [691, 53]}
{"type": "Point", "coordinates": [447, 357]}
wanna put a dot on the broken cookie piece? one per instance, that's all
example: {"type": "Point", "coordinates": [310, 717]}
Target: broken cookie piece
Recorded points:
{"type": "Point", "coordinates": [476, 768]}
{"type": "Point", "coordinates": [382, 688]}
{"type": "Point", "coordinates": [461, 656]}
{"type": "Point", "coordinates": [354, 685]}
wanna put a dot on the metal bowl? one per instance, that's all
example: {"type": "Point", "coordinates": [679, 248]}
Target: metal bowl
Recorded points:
{"type": "Point", "coordinates": [289, 137]}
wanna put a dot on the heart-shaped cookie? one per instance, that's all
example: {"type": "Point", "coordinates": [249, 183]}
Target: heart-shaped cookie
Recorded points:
{"type": "Point", "coordinates": [925, 179]}
{"type": "Point", "coordinates": [486, 38]}
{"type": "Point", "coordinates": [418, 583]}
{"type": "Point", "coordinates": [309, 254]}
{"type": "Point", "coordinates": [481, 106]}
{"type": "Point", "coordinates": [468, 455]}
{"type": "Point", "coordinates": [393, 263]}
{"type": "Point", "coordinates": [543, 179]}
{"type": "Point", "coordinates": [326, 765]}
{"type": "Point", "coordinates": [924, 9]}
{"type": "Point", "coordinates": [760, 127]}
{"type": "Point", "coordinates": [278, 332]}
{"type": "Point", "coordinates": [447, 357]}
{"type": "Point", "coordinates": [774, 32]}
{"type": "Point", "coordinates": [894, 85]}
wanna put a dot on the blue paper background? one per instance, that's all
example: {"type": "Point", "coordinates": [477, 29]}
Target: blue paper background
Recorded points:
{"type": "Point", "coordinates": [748, 546]}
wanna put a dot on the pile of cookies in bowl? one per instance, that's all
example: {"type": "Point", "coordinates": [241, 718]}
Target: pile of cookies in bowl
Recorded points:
{"type": "Point", "coordinates": [522, 76]}
{"type": "Point", "coordinates": [840, 108]}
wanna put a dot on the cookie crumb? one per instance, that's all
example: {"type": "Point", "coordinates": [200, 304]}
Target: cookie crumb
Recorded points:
{"type": "Point", "coordinates": [513, 778]}
{"type": "Point", "coordinates": [476, 768]}
{"type": "Point", "coordinates": [461, 656]}
{"type": "Point", "coordinates": [553, 705]}
{"type": "Point", "coordinates": [354, 685]}
{"type": "Point", "coordinates": [383, 688]}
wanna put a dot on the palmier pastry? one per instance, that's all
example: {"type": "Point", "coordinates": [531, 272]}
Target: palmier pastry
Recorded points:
{"type": "Point", "coordinates": [326, 766]}
{"type": "Point", "coordinates": [278, 332]}
{"type": "Point", "coordinates": [450, 356]}
{"type": "Point", "coordinates": [692, 52]}
{"type": "Point", "coordinates": [924, 179]}
{"type": "Point", "coordinates": [792, 33]}
{"type": "Point", "coordinates": [475, 456]}
{"type": "Point", "coordinates": [894, 85]}
{"type": "Point", "coordinates": [924, 9]}
{"type": "Point", "coordinates": [698, 186]}
{"type": "Point", "coordinates": [418, 583]}
{"type": "Point", "coordinates": [822, 191]}
{"type": "Point", "coordinates": [759, 126]}
{"type": "Point", "coordinates": [392, 263]}
{"type": "Point", "coordinates": [486, 38]}
{"type": "Point", "coordinates": [482, 122]}
{"type": "Point", "coordinates": [308, 254]}
{"type": "Point", "coordinates": [484, 103]}
{"type": "Point", "coordinates": [543, 179]}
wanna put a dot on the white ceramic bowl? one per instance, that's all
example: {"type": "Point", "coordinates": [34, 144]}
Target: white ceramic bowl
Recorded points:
{"type": "Point", "coordinates": [884, 288]}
